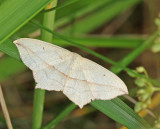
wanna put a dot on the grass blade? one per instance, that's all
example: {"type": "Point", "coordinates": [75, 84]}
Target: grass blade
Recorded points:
{"type": "Point", "coordinates": [5, 110]}
{"type": "Point", "coordinates": [10, 70]}
{"type": "Point", "coordinates": [39, 94]}
{"type": "Point", "coordinates": [145, 45]}
{"type": "Point", "coordinates": [109, 42]}
{"type": "Point", "coordinates": [61, 5]}
{"type": "Point", "coordinates": [100, 16]}
{"type": "Point", "coordinates": [10, 49]}
{"type": "Point", "coordinates": [77, 10]}
{"type": "Point", "coordinates": [63, 114]}
{"type": "Point", "coordinates": [65, 15]}
{"type": "Point", "coordinates": [120, 112]}
{"type": "Point", "coordinates": [12, 17]}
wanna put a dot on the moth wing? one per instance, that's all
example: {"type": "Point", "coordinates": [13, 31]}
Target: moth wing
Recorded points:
{"type": "Point", "coordinates": [42, 58]}
{"type": "Point", "coordinates": [88, 81]}
{"type": "Point", "coordinates": [80, 79]}
{"type": "Point", "coordinates": [47, 52]}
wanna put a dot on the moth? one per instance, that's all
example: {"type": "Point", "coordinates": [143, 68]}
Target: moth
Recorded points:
{"type": "Point", "coordinates": [80, 79]}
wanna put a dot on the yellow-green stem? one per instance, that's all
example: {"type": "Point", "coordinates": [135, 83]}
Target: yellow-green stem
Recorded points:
{"type": "Point", "coordinates": [39, 95]}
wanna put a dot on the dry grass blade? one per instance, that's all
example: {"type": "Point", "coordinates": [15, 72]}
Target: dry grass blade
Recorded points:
{"type": "Point", "coordinates": [4, 109]}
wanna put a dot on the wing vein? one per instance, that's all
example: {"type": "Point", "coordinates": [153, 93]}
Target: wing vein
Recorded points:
{"type": "Point", "coordinates": [68, 75]}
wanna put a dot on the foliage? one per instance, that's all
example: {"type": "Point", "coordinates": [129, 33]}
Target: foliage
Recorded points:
{"type": "Point", "coordinates": [75, 19]}
{"type": "Point", "coordinates": [145, 90]}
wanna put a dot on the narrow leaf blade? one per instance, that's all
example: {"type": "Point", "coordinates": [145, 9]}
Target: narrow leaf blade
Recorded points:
{"type": "Point", "coordinates": [12, 17]}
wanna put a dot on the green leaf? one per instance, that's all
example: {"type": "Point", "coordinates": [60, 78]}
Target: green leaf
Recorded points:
{"type": "Point", "coordinates": [97, 41]}
{"type": "Point", "coordinates": [61, 5]}
{"type": "Point", "coordinates": [15, 13]}
{"type": "Point", "coordinates": [9, 67]}
{"type": "Point", "coordinates": [10, 49]}
{"type": "Point", "coordinates": [135, 52]}
{"type": "Point", "coordinates": [63, 114]}
{"type": "Point", "coordinates": [97, 11]}
{"type": "Point", "coordinates": [100, 16]}
{"type": "Point", "coordinates": [77, 10]}
{"type": "Point", "coordinates": [65, 15]}
{"type": "Point", "coordinates": [119, 111]}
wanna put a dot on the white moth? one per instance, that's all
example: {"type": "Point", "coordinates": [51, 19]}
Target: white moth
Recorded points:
{"type": "Point", "coordinates": [80, 79]}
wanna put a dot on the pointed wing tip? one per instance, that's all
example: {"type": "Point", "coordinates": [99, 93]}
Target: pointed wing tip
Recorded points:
{"type": "Point", "coordinates": [123, 88]}
{"type": "Point", "coordinates": [15, 41]}
{"type": "Point", "coordinates": [125, 91]}
{"type": "Point", "coordinates": [80, 106]}
{"type": "Point", "coordinates": [18, 41]}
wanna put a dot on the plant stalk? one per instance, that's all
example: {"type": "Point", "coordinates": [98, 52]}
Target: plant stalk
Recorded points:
{"type": "Point", "coordinates": [63, 114]}
{"type": "Point", "coordinates": [39, 94]}
{"type": "Point", "coordinates": [5, 111]}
